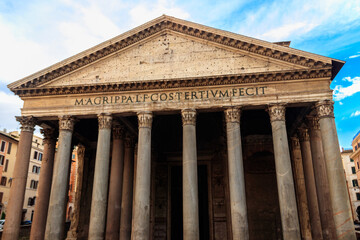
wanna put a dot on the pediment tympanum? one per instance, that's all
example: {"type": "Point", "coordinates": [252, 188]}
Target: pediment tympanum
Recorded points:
{"type": "Point", "coordinates": [169, 56]}
{"type": "Point", "coordinates": [168, 52]}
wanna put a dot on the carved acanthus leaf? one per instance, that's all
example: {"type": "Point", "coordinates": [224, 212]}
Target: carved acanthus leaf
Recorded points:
{"type": "Point", "coordinates": [325, 109]}
{"type": "Point", "coordinates": [67, 123]}
{"type": "Point", "coordinates": [188, 116]}
{"type": "Point", "coordinates": [232, 114]}
{"type": "Point", "coordinates": [27, 123]}
{"type": "Point", "coordinates": [303, 134]}
{"type": "Point", "coordinates": [277, 112]}
{"type": "Point", "coordinates": [105, 120]}
{"type": "Point", "coordinates": [145, 119]}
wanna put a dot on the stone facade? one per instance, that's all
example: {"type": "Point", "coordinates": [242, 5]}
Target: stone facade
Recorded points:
{"type": "Point", "coordinates": [209, 114]}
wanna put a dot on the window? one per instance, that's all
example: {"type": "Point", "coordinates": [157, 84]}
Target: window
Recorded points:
{"type": "Point", "coordinates": [358, 165]}
{"type": "Point", "coordinates": [33, 184]}
{"type": "Point", "coordinates": [9, 148]}
{"type": "Point", "coordinates": [2, 160]}
{"type": "Point", "coordinates": [353, 170]}
{"type": "Point", "coordinates": [357, 196]}
{"type": "Point", "coordinates": [6, 165]}
{"type": "Point", "coordinates": [35, 155]}
{"type": "Point", "coordinates": [31, 201]}
{"type": "Point", "coordinates": [3, 181]}
{"type": "Point", "coordinates": [36, 169]}
{"type": "Point", "coordinates": [1, 196]}
{"type": "Point", "coordinates": [2, 146]}
{"type": "Point", "coordinates": [351, 160]}
{"type": "Point", "coordinates": [40, 156]}
{"type": "Point", "coordinates": [355, 183]}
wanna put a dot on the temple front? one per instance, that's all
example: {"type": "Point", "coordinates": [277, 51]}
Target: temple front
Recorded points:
{"type": "Point", "coordinates": [184, 132]}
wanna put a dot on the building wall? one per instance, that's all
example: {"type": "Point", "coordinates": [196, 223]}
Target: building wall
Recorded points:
{"type": "Point", "coordinates": [10, 157]}
{"type": "Point", "coordinates": [33, 172]}
{"type": "Point", "coordinates": [352, 180]}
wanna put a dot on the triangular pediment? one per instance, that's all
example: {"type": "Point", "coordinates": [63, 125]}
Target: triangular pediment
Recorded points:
{"type": "Point", "coordinates": [169, 56]}
{"type": "Point", "coordinates": [169, 48]}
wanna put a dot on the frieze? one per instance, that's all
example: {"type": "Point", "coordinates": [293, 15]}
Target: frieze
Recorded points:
{"type": "Point", "coordinates": [179, 83]}
{"type": "Point", "coordinates": [188, 117]}
{"type": "Point", "coordinates": [27, 123]}
{"type": "Point", "coordinates": [168, 24]}
{"type": "Point", "coordinates": [171, 96]}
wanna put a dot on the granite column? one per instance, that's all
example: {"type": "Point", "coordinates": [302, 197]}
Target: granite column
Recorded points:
{"type": "Point", "coordinates": [17, 190]}
{"type": "Point", "coordinates": [43, 195]}
{"type": "Point", "coordinates": [300, 189]}
{"type": "Point", "coordinates": [285, 180]}
{"type": "Point", "coordinates": [338, 190]}
{"type": "Point", "coordinates": [238, 208]}
{"type": "Point", "coordinates": [322, 183]}
{"type": "Point", "coordinates": [310, 183]}
{"type": "Point", "coordinates": [101, 179]}
{"type": "Point", "coordinates": [141, 214]}
{"type": "Point", "coordinates": [115, 185]}
{"type": "Point", "coordinates": [55, 222]}
{"type": "Point", "coordinates": [127, 189]}
{"type": "Point", "coordinates": [190, 176]}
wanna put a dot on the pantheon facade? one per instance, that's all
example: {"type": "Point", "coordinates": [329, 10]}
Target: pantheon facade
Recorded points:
{"type": "Point", "coordinates": [184, 132]}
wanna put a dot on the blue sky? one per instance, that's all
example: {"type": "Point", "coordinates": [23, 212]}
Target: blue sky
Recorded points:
{"type": "Point", "coordinates": [38, 33]}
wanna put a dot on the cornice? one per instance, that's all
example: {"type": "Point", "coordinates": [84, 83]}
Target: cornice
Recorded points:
{"type": "Point", "coordinates": [179, 82]}
{"type": "Point", "coordinates": [169, 23]}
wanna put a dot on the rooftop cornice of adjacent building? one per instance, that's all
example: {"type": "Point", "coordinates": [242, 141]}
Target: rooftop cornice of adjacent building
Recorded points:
{"type": "Point", "coordinates": [166, 23]}
{"type": "Point", "coordinates": [356, 138]}
{"type": "Point", "coordinates": [355, 154]}
{"type": "Point", "coordinates": [10, 136]}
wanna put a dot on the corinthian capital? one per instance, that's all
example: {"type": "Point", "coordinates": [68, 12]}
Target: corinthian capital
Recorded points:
{"type": "Point", "coordinates": [295, 142]}
{"type": "Point", "coordinates": [277, 112]}
{"type": "Point", "coordinates": [129, 141]}
{"type": "Point", "coordinates": [232, 114]}
{"type": "Point", "coordinates": [145, 119]}
{"type": "Point", "coordinates": [303, 134]}
{"type": "Point", "coordinates": [325, 109]}
{"type": "Point", "coordinates": [27, 123]}
{"type": "Point", "coordinates": [313, 122]}
{"type": "Point", "coordinates": [105, 120]}
{"type": "Point", "coordinates": [188, 116]}
{"type": "Point", "coordinates": [49, 134]}
{"type": "Point", "coordinates": [118, 131]}
{"type": "Point", "coordinates": [66, 123]}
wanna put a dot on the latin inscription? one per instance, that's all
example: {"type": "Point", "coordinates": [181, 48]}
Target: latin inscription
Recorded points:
{"type": "Point", "coordinates": [172, 96]}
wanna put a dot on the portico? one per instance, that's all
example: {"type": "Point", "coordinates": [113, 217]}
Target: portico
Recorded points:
{"type": "Point", "coordinates": [205, 117]}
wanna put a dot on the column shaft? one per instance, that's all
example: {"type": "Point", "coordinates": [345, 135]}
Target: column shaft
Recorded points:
{"type": "Point", "coordinates": [322, 183]}
{"type": "Point", "coordinates": [301, 190]}
{"type": "Point", "coordinates": [115, 185]}
{"type": "Point", "coordinates": [238, 208]}
{"type": "Point", "coordinates": [285, 181]}
{"type": "Point", "coordinates": [55, 221]}
{"type": "Point", "coordinates": [127, 190]}
{"type": "Point", "coordinates": [141, 215]}
{"type": "Point", "coordinates": [42, 201]}
{"type": "Point", "coordinates": [18, 186]}
{"type": "Point", "coordinates": [310, 184]}
{"type": "Point", "coordinates": [190, 179]}
{"type": "Point", "coordinates": [101, 180]}
{"type": "Point", "coordinates": [338, 190]}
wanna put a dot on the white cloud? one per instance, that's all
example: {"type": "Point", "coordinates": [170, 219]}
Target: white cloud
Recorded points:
{"type": "Point", "coordinates": [9, 108]}
{"type": "Point", "coordinates": [355, 114]}
{"type": "Point", "coordinates": [341, 92]}
{"type": "Point", "coordinates": [283, 19]}
{"type": "Point", "coordinates": [355, 56]}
